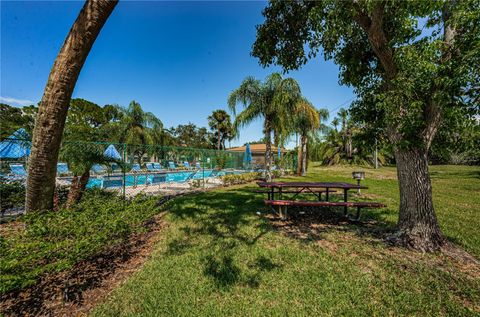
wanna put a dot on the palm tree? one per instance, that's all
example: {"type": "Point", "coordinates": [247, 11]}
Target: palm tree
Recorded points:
{"type": "Point", "coordinates": [52, 112]}
{"type": "Point", "coordinates": [138, 127]}
{"type": "Point", "coordinates": [346, 132]}
{"type": "Point", "coordinates": [335, 123]}
{"type": "Point", "coordinates": [273, 100]}
{"type": "Point", "coordinates": [86, 122]}
{"type": "Point", "coordinates": [219, 121]}
{"type": "Point", "coordinates": [306, 120]}
{"type": "Point", "coordinates": [80, 158]}
{"type": "Point", "coordinates": [135, 124]}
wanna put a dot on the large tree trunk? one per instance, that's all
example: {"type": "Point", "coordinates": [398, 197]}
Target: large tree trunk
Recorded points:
{"type": "Point", "coordinates": [79, 184]}
{"type": "Point", "coordinates": [55, 102]}
{"type": "Point", "coordinates": [304, 155]}
{"type": "Point", "coordinates": [417, 224]}
{"type": "Point", "coordinates": [218, 140]}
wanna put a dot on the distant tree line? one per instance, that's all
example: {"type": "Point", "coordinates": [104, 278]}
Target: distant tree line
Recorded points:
{"type": "Point", "coordinates": [349, 140]}
{"type": "Point", "coordinates": [87, 121]}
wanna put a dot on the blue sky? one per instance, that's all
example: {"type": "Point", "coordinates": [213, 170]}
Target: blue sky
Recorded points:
{"type": "Point", "coordinates": [180, 60]}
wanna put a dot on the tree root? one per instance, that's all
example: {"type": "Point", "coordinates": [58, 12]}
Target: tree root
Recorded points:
{"type": "Point", "coordinates": [422, 241]}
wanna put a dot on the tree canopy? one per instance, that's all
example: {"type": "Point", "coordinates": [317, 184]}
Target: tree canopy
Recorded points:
{"type": "Point", "coordinates": [13, 118]}
{"type": "Point", "coordinates": [409, 62]}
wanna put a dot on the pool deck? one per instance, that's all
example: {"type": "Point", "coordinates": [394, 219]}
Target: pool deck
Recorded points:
{"type": "Point", "coordinates": [168, 188]}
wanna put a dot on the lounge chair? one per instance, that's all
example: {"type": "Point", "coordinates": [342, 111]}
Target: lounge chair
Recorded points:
{"type": "Point", "coordinates": [18, 170]}
{"type": "Point", "coordinates": [157, 166]}
{"type": "Point", "coordinates": [62, 169]}
{"type": "Point", "coordinates": [135, 168]}
{"type": "Point", "coordinates": [150, 167]}
{"type": "Point", "coordinates": [187, 165]}
{"type": "Point", "coordinates": [198, 166]}
{"type": "Point", "coordinates": [172, 165]}
{"type": "Point", "coordinates": [98, 169]}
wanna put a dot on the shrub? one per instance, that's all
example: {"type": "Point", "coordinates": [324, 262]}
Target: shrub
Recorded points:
{"type": "Point", "coordinates": [234, 179]}
{"type": "Point", "coordinates": [12, 194]}
{"type": "Point", "coordinates": [55, 241]}
{"type": "Point", "coordinates": [220, 161]}
{"type": "Point", "coordinates": [276, 173]}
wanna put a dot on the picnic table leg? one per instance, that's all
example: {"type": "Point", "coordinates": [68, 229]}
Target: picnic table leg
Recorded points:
{"type": "Point", "coordinates": [326, 195]}
{"type": "Point", "coordinates": [280, 193]}
{"type": "Point", "coordinates": [283, 212]}
{"type": "Point", "coordinates": [345, 199]}
{"type": "Point", "coordinates": [272, 196]}
{"type": "Point", "coordinates": [357, 216]}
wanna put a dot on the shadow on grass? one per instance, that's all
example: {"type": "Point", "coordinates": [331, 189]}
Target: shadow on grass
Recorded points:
{"type": "Point", "coordinates": [221, 223]}
{"type": "Point", "coordinates": [313, 224]}
{"type": "Point", "coordinates": [218, 224]}
{"type": "Point", "coordinates": [223, 271]}
{"type": "Point", "coordinates": [222, 215]}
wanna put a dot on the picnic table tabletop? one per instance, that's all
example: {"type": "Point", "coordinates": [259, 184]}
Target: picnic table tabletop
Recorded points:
{"type": "Point", "coordinates": [340, 185]}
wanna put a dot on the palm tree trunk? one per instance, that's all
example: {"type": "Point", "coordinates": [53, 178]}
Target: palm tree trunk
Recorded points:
{"type": "Point", "coordinates": [77, 189]}
{"type": "Point", "coordinates": [299, 161]}
{"type": "Point", "coordinates": [304, 155]}
{"type": "Point", "coordinates": [268, 152]}
{"type": "Point", "coordinates": [349, 146]}
{"type": "Point", "coordinates": [218, 140]}
{"type": "Point", "coordinates": [53, 108]}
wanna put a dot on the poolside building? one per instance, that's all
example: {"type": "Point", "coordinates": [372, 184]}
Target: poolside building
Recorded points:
{"type": "Point", "coordinates": [258, 152]}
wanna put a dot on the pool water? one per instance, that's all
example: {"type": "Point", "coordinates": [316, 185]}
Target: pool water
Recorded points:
{"type": "Point", "coordinates": [142, 179]}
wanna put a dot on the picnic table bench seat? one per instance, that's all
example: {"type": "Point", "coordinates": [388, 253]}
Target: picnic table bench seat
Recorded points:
{"type": "Point", "coordinates": [283, 205]}
{"type": "Point", "coordinates": [262, 191]}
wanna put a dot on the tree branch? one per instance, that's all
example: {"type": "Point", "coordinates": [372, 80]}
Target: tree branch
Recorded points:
{"type": "Point", "coordinates": [373, 26]}
{"type": "Point", "coordinates": [433, 112]}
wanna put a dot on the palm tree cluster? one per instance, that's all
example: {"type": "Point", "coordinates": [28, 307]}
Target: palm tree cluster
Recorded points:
{"type": "Point", "coordinates": [307, 123]}
{"type": "Point", "coordinates": [279, 102]}
{"type": "Point", "coordinates": [346, 143]}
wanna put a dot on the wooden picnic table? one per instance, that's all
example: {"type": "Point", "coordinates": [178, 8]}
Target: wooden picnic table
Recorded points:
{"type": "Point", "coordinates": [309, 187]}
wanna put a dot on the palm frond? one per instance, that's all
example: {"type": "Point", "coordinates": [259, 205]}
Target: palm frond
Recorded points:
{"type": "Point", "coordinates": [248, 92]}
{"type": "Point", "coordinates": [248, 115]}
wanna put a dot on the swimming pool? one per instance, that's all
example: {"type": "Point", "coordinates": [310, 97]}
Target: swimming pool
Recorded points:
{"type": "Point", "coordinates": [146, 178]}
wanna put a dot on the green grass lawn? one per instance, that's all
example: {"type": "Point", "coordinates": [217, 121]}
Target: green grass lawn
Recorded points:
{"type": "Point", "coordinates": [219, 257]}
